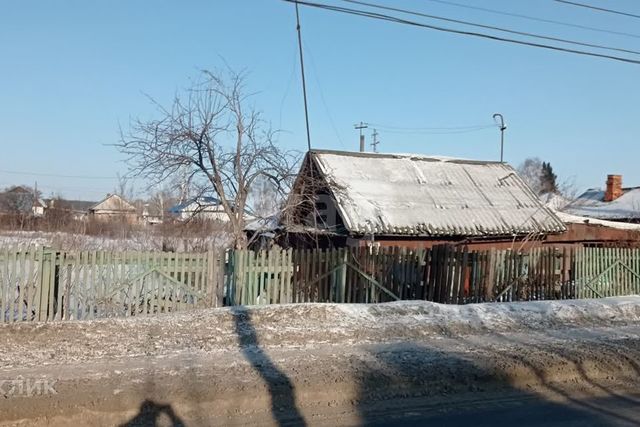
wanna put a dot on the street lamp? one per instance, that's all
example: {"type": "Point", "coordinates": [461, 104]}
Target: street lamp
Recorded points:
{"type": "Point", "coordinates": [502, 128]}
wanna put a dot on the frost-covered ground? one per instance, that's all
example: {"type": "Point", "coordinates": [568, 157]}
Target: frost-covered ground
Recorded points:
{"type": "Point", "coordinates": [298, 325]}
{"type": "Point", "coordinates": [140, 241]}
{"type": "Point", "coordinates": [325, 364]}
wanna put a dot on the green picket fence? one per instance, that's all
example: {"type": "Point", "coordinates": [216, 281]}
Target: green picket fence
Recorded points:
{"type": "Point", "coordinates": [47, 285]}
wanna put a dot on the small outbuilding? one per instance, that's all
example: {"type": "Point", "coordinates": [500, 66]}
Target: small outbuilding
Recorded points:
{"type": "Point", "coordinates": [354, 198]}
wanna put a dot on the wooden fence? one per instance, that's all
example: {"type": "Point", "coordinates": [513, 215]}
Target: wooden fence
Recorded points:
{"type": "Point", "coordinates": [42, 284]}
{"type": "Point", "coordinates": [45, 285]}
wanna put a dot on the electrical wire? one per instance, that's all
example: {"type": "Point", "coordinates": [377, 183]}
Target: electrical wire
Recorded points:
{"type": "Point", "coordinates": [381, 126]}
{"type": "Point", "coordinates": [418, 132]}
{"type": "Point", "coordinates": [491, 27]}
{"type": "Point", "coordinates": [536, 19]}
{"type": "Point", "coordinates": [601, 9]}
{"type": "Point", "coordinates": [373, 15]}
{"type": "Point", "coordinates": [57, 175]}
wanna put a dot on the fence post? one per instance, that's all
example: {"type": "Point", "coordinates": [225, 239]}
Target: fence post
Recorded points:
{"type": "Point", "coordinates": [343, 276]}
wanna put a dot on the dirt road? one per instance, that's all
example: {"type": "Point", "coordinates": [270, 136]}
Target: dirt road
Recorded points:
{"type": "Point", "coordinates": [392, 364]}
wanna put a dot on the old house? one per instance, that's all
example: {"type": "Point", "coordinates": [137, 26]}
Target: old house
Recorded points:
{"type": "Point", "coordinates": [113, 207]}
{"type": "Point", "coordinates": [354, 198]}
{"type": "Point", "coordinates": [203, 208]}
{"type": "Point", "coordinates": [609, 217]}
{"type": "Point", "coordinates": [614, 203]}
{"type": "Point", "coordinates": [19, 200]}
{"type": "Point", "coordinates": [76, 209]}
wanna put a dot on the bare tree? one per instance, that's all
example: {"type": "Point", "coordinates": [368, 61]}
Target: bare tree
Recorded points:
{"type": "Point", "coordinates": [213, 132]}
{"type": "Point", "coordinates": [124, 188]}
{"type": "Point", "coordinates": [531, 172]}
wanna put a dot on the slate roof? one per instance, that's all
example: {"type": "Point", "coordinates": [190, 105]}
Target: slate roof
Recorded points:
{"type": "Point", "coordinates": [407, 194]}
{"type": "Point", "coordinates": [591, 204]}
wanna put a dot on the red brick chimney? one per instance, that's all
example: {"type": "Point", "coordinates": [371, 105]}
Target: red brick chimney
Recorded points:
{"type": "Point", "coordinates": [614, 188]}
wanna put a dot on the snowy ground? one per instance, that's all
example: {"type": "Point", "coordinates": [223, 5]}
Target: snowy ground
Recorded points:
{"type": "Point", "coordinates": [326, 364]}
{"type": "Point", "coordinates": [141, 241]}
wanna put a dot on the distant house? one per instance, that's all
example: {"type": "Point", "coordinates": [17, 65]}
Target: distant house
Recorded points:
{"type": "Point", "coordinates": [207, 208]}
{"type": "Point", "coordinates": [78, 209]}
{"type": "Point", "coordinates": [22, 201]}
{"type": "Point", "coordinates": [151, 215]}
{"type": "Point", "coordinates": [614, 203]}
{"type": "Point", "coordinates": [353, 198]}
{"type": "Point", "coordinates": [114, 207]}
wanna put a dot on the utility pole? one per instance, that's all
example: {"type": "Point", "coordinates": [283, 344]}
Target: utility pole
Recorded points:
{"type": "Point", "coordinates": [502, 128]}
{"type": "Point", "coordinates": [375, 142]}
{"type": "Point", "coordinates": [304, 84]}
{"type": "Point", "coordinates": [361, 126]}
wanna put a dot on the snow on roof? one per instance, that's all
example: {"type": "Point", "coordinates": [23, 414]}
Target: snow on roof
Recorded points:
{"type": "Point", "coordinates": [195, 203]}
{"type": "Point", "coordinates": [591, 204]}
{"type": "Point", "coordinates": [576, 219]}
{"type": "Point", "coordinates": [406, 194]}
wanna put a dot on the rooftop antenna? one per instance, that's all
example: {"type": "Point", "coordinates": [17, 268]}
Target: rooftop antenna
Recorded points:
{"type": "Point", "coordinates": [502, 128]}
{"type": "Point", "coordinates": [361, 126]}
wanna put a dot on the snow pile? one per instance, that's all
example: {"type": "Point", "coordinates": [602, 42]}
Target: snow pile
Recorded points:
{"type": "Point", "coordinates": [500, 316]}
{"type": "Point", "coordinates": [299, 325]}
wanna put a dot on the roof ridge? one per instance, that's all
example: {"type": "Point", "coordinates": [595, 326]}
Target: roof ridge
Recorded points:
{"type": "Point", "coordinates": [411, 156]}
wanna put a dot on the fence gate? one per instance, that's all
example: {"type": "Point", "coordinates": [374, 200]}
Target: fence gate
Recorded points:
{"type": "Point", "coordinates": [603, 272]}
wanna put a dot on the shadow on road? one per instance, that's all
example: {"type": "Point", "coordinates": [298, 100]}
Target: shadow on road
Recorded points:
{"type": "Point", "coordinates": [414, 385]}
{"type": "Point", "coordinates": [281, 390]}
{"type": "Point", "coordinates": [151, 413]}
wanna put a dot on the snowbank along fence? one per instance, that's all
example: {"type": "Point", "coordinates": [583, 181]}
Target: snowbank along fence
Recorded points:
{"type": "Point", "coordinates": [45, 285]}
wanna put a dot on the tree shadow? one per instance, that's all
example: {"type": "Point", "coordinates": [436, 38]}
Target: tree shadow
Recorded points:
{"type": "Point", "coordinates": [414, 385]}
{"type": "Point", "coordinates": [281, 390]}
{"type": "Point", "coordinates": [150, 414]}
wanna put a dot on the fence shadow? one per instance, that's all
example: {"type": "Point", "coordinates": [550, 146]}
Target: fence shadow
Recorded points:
{"type": "Point", "coordinates": [281, 390]}
{"type": "Point", "coordinates": [151, 413]}
{"type": "Point", "coordinates": [413, 385]}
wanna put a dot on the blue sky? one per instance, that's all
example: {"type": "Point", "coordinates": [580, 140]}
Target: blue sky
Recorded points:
{"type": "Point", "coordinates": [73, 71]}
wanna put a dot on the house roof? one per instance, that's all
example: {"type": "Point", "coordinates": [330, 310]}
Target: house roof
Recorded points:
{"type": "Point", "coordinates": [200, 202]}
{"type": "Point", "coordinates": [407, 194]}
{"type": "Point", "coordinates": [71, 205]}
{"type": "Point", "coordinates": [113, 203]}
{"type": "Point", "coordinates": [591, 204]}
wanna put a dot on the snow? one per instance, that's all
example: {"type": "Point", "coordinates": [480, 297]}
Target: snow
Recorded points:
{"type": "Point", "coordinates": [408, 194]}
{"type": "Point", "coordinates": [298, 325]}
{"type": "Point", "coordinates": [576, 219]}
{"type": "Point", "coordinates": [137, 242]}
{"type": "Point", "coordinates": [502, 316]}
{"type": "Point", "coordinates": [591, 204]}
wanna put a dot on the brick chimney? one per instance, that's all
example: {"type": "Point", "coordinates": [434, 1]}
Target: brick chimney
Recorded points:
{"type": "Point", "coordinates": [614, 188]}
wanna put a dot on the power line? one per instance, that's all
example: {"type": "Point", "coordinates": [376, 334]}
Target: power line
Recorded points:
{"type": "Point", "coordinates": [304, 84]}
{"type": "Point", "coordinates": [397, 20]}
{"type": "Point", "coordinates": [57, 175]}
{"type": "Point", "coordinates": [324, 102]}
{"type": "Point", "coordinates": [418, 132]}
{"type": "Point", "coordinates": [601, 9]}
{"type": "Point", "coordinates": [381, 126]}
{"type": "Point", "coordinates": [536, 19]}
{"type": "Point", "coordinates": [491, 27]}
